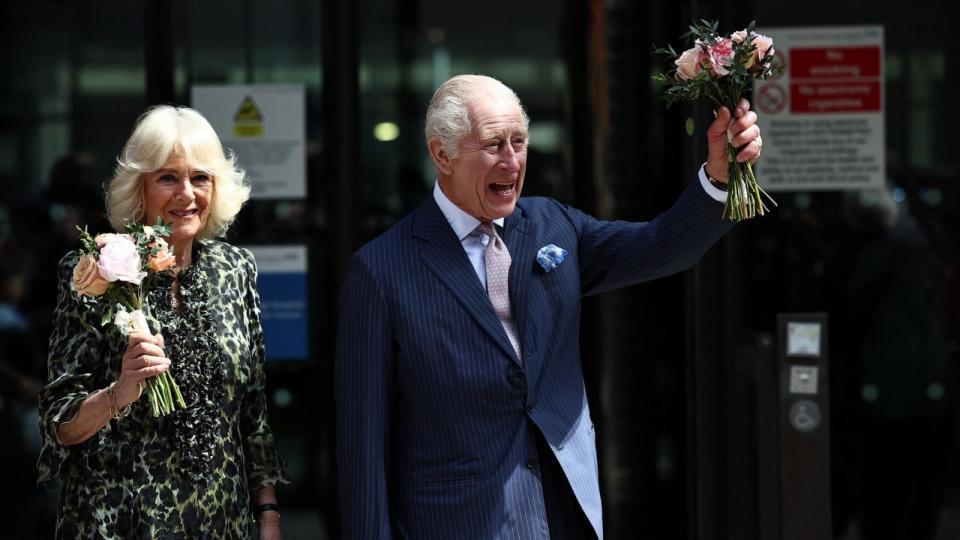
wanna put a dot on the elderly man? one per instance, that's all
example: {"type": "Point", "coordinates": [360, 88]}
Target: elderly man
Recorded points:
{"type": "Point", "coordinates": [461, 410]}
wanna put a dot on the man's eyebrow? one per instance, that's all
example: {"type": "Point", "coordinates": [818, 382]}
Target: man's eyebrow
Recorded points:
{"type": "Point", "coordinates": [501, 133]}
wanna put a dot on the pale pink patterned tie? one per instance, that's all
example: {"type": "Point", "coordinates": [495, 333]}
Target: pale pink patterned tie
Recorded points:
{"type": "Point", "coordinates": [497, 260]}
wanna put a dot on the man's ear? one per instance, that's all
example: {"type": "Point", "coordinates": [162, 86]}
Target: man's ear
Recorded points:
{"type": "Point", "coordinates": [441, 159]}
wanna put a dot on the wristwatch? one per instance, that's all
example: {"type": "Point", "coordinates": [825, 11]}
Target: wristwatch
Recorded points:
{"type": "Point", "coordinates": [722, 186]}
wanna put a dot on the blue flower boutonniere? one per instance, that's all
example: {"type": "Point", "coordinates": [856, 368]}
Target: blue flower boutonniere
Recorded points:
{"type": "Point", "coordinates": [550, 256]}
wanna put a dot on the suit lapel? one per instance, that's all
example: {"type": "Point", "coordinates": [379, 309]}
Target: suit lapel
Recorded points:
{"type": "Point", "coordinates": [519, 234]}
{"type": "Point", "coordinates": [443, 254]}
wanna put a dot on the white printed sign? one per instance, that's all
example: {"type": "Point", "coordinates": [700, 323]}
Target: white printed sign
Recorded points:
{"type": "Point", "coordinates": [803, 379]}
{"type": "Point", "coordinates": [822, 120]}
{"type": "Point", "coordinates": [803, 339]}
{"type": "Point", "coordinates": [264, 125]}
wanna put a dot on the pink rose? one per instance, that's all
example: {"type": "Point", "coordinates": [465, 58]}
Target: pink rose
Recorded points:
{"type": "Point", "coordinates": [689, 64]}
{"type": "Point", "coordinates": [764, 47]}
{"type": "Point", "coordinates": [164, 259]}
{"type": "Point", "coordinates": [120, 260]}
{"type": "Point", "coordinates": [721, 56]}
{"type": "Point", "coordinates": [86, 277]}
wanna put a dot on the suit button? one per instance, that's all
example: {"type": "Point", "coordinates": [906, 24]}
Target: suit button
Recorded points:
{"type": "Point", "coordinates": [529, 408]}
{"type": "Point", "coordinates": [532, 463]}
{"type": "Point", "coordinates": [519, 376]}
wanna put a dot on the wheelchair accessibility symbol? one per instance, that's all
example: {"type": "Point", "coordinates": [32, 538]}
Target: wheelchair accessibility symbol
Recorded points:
{"type": "Point", "coordinates": [804, 415]}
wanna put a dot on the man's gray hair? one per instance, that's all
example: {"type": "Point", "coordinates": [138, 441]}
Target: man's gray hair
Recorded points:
{"type": "Point", "coordinates": [448, 116]}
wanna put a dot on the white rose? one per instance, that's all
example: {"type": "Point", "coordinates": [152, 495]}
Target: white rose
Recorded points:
{"type": "Point", "coordinates": [131, 321]}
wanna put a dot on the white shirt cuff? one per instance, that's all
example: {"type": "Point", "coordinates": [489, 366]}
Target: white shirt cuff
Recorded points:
{"type": "Point", "coordinates": [717, 194]}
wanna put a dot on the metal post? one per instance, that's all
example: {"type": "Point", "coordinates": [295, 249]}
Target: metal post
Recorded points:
{"type": "Point", "coordinates": [158, 51]}
{"type": "Point", "coordinates": [804, 427]}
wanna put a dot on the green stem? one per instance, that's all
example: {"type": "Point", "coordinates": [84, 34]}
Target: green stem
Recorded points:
{"type": "Point", "coordinates": [167, 382]}
{"type": "Point", "coordinates": [179, 396]}
{"type": "Point", "coordinates": [158, 385]}
{"type": "Point", "coordinates": [744, 200]}
{"type": "Point", "coordinates": [152, 396]}
{"type": "Point", "coordinates": [164, 395]}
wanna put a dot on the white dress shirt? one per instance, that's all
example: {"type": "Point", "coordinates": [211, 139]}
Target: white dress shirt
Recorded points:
{"type": "Point", "coordinates": [464, 226]}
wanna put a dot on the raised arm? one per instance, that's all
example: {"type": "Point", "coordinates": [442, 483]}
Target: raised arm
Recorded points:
{"type": "Point", "coordinates": [615, 254]}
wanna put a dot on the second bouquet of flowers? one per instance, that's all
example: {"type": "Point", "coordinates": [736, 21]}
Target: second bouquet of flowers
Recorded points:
{"type": "Point", "coordinates": [722, 69]}
{"type": "Point", "coordinates": [118, 270]}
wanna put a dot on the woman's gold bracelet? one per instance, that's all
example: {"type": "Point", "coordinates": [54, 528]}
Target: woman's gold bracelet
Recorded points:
{"type": "Point", "coordinates": [116, 412]}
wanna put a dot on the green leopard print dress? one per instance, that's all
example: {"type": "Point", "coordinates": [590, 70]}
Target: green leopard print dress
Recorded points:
{"type": "Point", "coordinates": [186, 475]}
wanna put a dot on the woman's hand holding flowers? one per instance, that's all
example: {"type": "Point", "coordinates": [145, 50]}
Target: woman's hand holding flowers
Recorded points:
{"type": "Point", "coordinates": [144, 358]}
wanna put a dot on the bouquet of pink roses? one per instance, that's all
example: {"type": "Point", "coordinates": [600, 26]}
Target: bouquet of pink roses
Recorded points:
{"type": "Point", "coordinates": [722, 69]}
{"type": "Point", "coordinates": [118, 270]}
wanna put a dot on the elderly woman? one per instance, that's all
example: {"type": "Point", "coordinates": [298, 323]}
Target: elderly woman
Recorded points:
{"type": "Point", "coordinates": [198, 472]}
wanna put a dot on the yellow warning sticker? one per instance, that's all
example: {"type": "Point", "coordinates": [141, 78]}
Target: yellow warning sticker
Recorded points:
{"type": "Point", "coordinates": [247, 121]}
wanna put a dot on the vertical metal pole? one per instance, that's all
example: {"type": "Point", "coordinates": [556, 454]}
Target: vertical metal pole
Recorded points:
{"type": "Point", "coordinates": [341, 45]}
{"type": "Point", "coordinates": [341, 115]}
{"type": "Point", "coordinates": [804, 426]}
{"type": "Point", "coordinates": [248, 42]}
{"type": "Point", "coordinates": [158, 51]}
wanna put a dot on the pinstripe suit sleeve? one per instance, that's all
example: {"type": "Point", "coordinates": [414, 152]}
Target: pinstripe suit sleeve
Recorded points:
{"type": "Point", "coordinates": [363, 395]}
{"type": "Point", "coordinates": [616, 254]}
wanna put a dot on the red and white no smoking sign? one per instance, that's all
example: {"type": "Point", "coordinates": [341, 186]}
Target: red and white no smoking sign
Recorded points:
{"type": "Point", "coordinates": [771, 98]}
{"type": "Point", "coordinates": [822, 120]}
{"type": "Point", "coordinates": [835, 79]}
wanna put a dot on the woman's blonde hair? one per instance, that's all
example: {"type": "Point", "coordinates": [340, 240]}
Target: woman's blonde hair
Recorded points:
{"type": "Point", "coordinates": [164, 131]}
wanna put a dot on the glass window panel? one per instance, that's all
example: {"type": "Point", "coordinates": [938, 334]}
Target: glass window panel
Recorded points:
{"type": "Point", "coordinates": [407, 50]}
{"type": "Point", "coordinates": [882, 263]}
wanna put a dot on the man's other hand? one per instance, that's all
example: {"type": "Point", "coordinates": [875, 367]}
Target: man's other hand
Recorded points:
{"type": "Point", "coordinates": [742, 131]}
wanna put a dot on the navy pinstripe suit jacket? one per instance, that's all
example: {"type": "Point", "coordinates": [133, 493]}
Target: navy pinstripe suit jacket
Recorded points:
{"type": "Point", "coordinates": [434, 410]}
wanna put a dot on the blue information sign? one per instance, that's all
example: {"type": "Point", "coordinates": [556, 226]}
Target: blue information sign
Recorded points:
{"type": "Point", "coordinates": [282, 283]}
